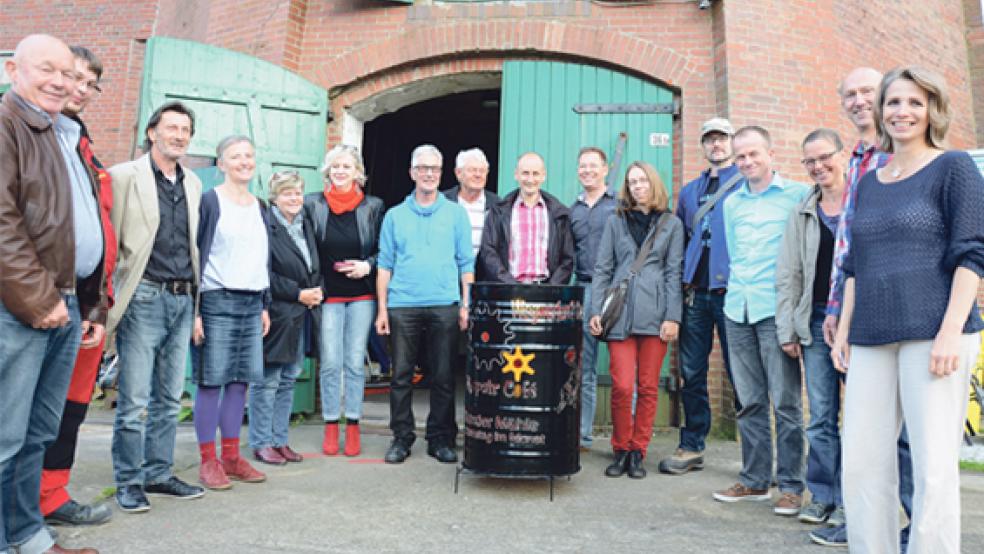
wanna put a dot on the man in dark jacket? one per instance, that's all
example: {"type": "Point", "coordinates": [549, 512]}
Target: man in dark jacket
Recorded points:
{"type": "Point", "coordinates": [51, 249]}
{"type": "Point", "coordinates": [527, 236]}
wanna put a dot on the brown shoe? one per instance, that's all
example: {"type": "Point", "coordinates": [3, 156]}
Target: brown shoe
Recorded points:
{"type": "Point", "coordinates": [739, 492]}
{"type": "Point", "coordinates": [789, 504]}
{"type": "Point", "coordinates": [269, 455]}
{"type": "Point", "coordinates": [55, 549]}
{"type": "Point", "coordinates": [239, 469]}
{"type": "Point", "coordinates": [289, 454]}
{"type": "Point", "coordinates": [213, 476]}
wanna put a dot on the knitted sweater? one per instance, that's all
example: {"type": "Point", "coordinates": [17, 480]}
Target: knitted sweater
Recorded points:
{"type": "Point", "coordinates": [908, 238]}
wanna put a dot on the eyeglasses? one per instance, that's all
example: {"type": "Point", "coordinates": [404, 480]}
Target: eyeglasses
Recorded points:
{"type": "Point", "coordinates": [639, 181]}
{"type": "Point", "coordinates": [427, 168]}
{"type": "Point", "coordinates": [810, 163]}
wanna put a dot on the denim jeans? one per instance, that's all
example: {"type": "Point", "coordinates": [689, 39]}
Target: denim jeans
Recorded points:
{"type": "Point", "coordinates": [763, 371]}
{"type": "Point", "coordinates": [823, 382]}
{"type": "Point", "coordinates": [696, 341]}
{"type": "Point", "coordinates": [152, 341]}
{"type": "Point", "coordinates": [344, 339]}
{"type": "Point", "coordinates": [35, 370]}
{"type": "Point", "coordinates": [271, 400]}
{"type": "Point", "coordinates": [589, 373]}
{"type": "Point", "coordinates": [233, 348]}
{"type": "Point", "coordinates": [439, 324]}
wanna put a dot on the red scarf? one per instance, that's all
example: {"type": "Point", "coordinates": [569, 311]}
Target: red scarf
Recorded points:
{"type": "Point", "coordinates": [340, 202]}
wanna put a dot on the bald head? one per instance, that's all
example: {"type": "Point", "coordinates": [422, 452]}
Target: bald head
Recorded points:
{"type": "Point", "coordinates": [530, 173]}
{"type": "Point", "coordinates": [857, 92]}
{"type": "Point", "coordinates": [42, 72]}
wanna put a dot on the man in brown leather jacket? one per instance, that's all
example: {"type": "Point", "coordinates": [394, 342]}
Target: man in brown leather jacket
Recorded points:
{"type": "Point", "coordinates": [50, 260]}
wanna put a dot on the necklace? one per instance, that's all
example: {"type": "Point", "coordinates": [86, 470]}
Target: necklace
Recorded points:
{"type": "Point", "coordinates": [899, 169]}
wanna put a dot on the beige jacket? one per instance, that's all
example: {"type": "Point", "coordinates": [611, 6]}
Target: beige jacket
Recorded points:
{"type": "Point", "coordinates": [135, 217]}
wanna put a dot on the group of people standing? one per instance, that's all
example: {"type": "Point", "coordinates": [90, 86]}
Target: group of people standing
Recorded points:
{"type": "Point", "coordinates": [876, 267]}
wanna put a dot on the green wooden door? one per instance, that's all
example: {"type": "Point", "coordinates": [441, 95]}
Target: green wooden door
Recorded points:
{"type": "Point", "coordinates": [538, 114]}
{"type": "Point", "coordinates": [232, 93]}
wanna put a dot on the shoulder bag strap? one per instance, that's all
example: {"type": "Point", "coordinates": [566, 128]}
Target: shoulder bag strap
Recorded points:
{"type": "Point", "coordinates": [714, 199]}
{"type": "Point", "coordinates": [648, 245]}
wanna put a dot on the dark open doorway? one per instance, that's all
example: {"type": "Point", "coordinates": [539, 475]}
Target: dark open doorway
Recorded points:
{"type": "Point", "coordinates": [453, 123]}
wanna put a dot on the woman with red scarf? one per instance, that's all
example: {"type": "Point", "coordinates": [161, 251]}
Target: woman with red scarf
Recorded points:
{"type": "Point", "coordinates": [347, 223]}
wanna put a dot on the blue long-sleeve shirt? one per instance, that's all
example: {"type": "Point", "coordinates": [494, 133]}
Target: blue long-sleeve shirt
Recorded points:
{"type": "Point", "coordinates": [687, 206]}
{"type": "Point", "coordinates": [753, 226]}
{"type": "Point", "coordinates": [907, 240]}
{"type": "Point", "coordinates": [427, 249]}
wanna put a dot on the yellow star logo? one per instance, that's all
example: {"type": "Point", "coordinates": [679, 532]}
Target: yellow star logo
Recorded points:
{"type": "Point", "coordinates": [518, 363]}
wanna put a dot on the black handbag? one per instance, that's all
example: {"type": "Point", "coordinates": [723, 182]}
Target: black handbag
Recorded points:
{"type": "Point", "coordinates": [615, 296]}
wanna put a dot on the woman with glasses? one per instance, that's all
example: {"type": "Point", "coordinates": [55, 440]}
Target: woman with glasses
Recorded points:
{"type": "Point", "coordinates": [232, 240]}
{"type": "Point", "coordinates": [908, 328]}
{"type": "Point", "coordinates": [638, 340]}
{"type": "Point", "coordinates": [346, 224]}
{"type": "Point", "coordinates": [295, 286]}
{"type": "Point", "coordinates": [802, 287]}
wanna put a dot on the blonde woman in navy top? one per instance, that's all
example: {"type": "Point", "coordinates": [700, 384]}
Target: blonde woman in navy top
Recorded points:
{"type": "Point", "coordinates": [908, 330]}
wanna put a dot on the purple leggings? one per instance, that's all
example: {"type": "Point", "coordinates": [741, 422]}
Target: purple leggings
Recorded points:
{"type": "Point", "coordinates": [215, 409]}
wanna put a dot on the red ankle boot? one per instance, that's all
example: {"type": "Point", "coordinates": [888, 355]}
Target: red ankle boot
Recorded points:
{"type": "Point", "coordinates": [353, 444]}
{"type": "Point", "coordinates": [330, 445]}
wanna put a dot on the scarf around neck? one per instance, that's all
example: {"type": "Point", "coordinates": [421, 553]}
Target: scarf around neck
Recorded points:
{"type": "Point", "coordinates": [340, 202]}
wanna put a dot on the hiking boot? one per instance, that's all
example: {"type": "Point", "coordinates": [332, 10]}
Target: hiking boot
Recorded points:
{"type": "Point", "coordinates": [681, 462]}
{"type": "Point", "coordinates": [837, 518]}
{"type": "Point", "coordinates": [815, 512]}
{"type": "Point", "coordinates": [789, 504]}
{"type": "Point", "coordinates": [739, 492]}
{"type": "Point", "coordinates": [830, 536]}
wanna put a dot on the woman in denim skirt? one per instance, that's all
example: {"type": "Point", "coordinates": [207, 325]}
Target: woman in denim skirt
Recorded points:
{"type": "Point", "coordinates": [346, 223]}
{"type": "Point", "coordinates": [295, 286]}
{"type": "Point", "coordinates": [228, 333]}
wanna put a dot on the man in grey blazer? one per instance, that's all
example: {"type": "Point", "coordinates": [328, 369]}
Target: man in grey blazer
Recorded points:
{"type": "Point", "coordinates": [155, 214]}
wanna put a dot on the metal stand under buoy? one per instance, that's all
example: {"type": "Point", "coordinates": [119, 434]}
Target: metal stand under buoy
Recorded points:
{"type": "Point", "coordinates": [460, 468]}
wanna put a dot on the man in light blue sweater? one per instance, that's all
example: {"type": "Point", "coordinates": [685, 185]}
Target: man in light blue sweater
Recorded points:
{"type": "Point", "coordinates": [425, 266]}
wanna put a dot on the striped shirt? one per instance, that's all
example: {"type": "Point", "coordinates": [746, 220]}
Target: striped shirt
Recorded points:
{"type": "Point", "coordinates": [530, 232]}
{"type": "Point", "coordinates": [864, 158]}
{"type": "Point", "coordinates": [476, 215]}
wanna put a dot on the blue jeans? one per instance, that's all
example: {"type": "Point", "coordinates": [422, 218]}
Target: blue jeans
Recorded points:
{"type": "Point", "coordinates": [344, 339]}
{"type": "Point", "coordinates": [696, 341]}
{"type": "Point", "coordinates": [762, 371]}
{"type": "Point", "coordinates": [270, 402]}
{"type": "Point", "coordinates": [589, 373]}
{"type": "Point", "coordinates": [823, 382]}
{"type": "Point", "coordinates": [35, 370]}
{"type": "Point", "coordinates": [152, 341]}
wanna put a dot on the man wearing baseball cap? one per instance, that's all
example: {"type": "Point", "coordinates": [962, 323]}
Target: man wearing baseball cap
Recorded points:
{"type": "Point", "coordinates": [705, 278]}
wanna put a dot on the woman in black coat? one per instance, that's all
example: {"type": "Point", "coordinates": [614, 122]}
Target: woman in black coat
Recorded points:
{"type": "Point", "coordinates": [295, 279]}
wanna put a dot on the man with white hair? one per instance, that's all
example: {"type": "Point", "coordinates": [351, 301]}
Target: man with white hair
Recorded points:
{"type": "Point", "coordinates": [425, 266]}
{"type": "Point", "coordinates": [472, 170]}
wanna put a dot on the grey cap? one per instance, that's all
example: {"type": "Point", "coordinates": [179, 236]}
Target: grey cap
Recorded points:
{"type": "Point", "coordinates": [716, 125]}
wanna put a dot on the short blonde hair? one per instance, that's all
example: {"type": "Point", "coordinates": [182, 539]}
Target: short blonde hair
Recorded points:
{"type": "Point", "coordinates": [283, 180]}
{"type": "Point", "coordinates": [658, 199]}
{"type": "Point", "coordinates": [938, 109]}
{"type": "Point", "coordinates": [342, 150]}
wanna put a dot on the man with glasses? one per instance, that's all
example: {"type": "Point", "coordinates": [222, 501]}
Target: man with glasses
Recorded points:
{"type": "Point", "coordinates": [52, 286]}
{"type": "Point", "coordinates": [527, 236]}
{"type": "Point", "coordinates": [425, 266]}
{"type": "Point", "coordinates": [57, 505]}
{"type": "Point", "coordinates": [155, 215]}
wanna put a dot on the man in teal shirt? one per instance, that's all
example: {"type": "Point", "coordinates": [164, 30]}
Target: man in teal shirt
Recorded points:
{"type": "Point", "coordinates": [754, 219]}
{"type": "Point", "coordinates": [425, 265]}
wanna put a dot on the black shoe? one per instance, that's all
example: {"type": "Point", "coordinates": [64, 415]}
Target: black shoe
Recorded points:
{"type": "Point", "coordinates": [175, 488]}
{"type": "Point", "coordinates": [397, 453]}
{"type": "Point", "coordinates": [442, 453]}
{"type": "Point", "coordinates": [634, 465]}
{"type": "Point", "coordinates": [131, 498]}
{"type": "Point", "coordinates": [617, 468]}
{"type": "Point", "coordinates": [73, 513]}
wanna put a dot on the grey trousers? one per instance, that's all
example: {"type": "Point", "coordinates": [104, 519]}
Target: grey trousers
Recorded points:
{"type": "Point", "coordinates": [762, 371]}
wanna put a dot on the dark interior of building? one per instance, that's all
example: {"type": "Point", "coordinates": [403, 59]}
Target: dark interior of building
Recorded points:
{"type": "Point", "coordinates": [452, 123]}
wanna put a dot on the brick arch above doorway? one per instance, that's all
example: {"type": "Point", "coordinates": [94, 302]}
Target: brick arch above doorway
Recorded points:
{"type": "Point", "coordinates": [505, 38]}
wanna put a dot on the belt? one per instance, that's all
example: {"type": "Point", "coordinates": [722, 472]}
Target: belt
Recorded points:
{"type": "Point", "coordinates": [716, 292]}
{"type": "Point", "coordinates": [174, 287]}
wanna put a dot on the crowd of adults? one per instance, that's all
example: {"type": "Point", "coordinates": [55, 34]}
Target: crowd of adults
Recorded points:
{"type": "Point", "coordinates": [874, 267]}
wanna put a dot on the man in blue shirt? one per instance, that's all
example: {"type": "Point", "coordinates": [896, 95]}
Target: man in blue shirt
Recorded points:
{"type": "Point", "coordinates": [754, 220]}
{"type": "Point", "coordinates": [425, 252]}
{"type": "Point", "coordinates": [589, 213]}
{"type": "Point", "coordinates": [705, 277]}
